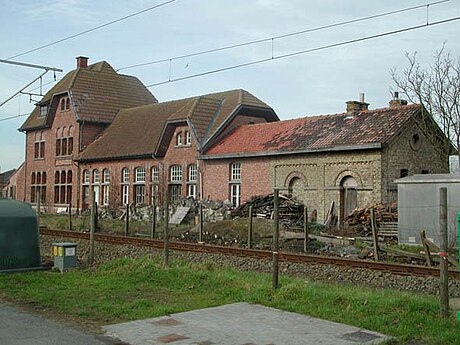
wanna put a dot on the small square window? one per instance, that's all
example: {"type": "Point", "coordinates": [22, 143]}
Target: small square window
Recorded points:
{"type": "Point", "coordinates": [43, 110]}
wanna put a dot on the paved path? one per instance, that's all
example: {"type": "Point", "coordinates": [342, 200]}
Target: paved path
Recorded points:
{"type": "Point", "coordinates": [240, 324]}
{"type": "Point", "coordinates": [18, 328]}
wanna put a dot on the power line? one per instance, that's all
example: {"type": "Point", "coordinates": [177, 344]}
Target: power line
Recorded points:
{"type": "Point", "coordinates": [305, 51]}
{"type": "Point", "coordinates": [13, 117]}
{"type": "Point", "coordinates": [238, 45]}
{"type": "Point", "coordinates": [93, 29]}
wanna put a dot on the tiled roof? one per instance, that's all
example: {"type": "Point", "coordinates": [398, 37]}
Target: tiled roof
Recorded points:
{"type": "Point", "coordinates": [138, 131]}
{"type": "Point", "coordinates": [97, 92]}
{"type": "Point", "coordinates": [339, 131]}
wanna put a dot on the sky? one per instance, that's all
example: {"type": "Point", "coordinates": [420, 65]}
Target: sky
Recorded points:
{"type": "Point", "coordinates": [314, 83]}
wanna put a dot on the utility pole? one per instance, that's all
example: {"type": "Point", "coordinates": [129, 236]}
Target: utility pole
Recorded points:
{"type": "Point", "coordinates": [443, 267]}
{"type": "Point", "coordinates": [275, 239]}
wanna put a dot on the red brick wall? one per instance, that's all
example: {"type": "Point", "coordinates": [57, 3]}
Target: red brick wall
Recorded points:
{"type": "Point", "coordinates": [89, 132]}
{"type": "Point", "coordinates": [254, 178]}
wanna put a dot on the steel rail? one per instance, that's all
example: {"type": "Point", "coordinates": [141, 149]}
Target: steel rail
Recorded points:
{"type": "Point", "coordinates": [400, 269]}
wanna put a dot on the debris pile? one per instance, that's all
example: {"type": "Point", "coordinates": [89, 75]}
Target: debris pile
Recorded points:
{"type": "Point", "coordinates": [290, 211]}
{"type": "Point", "coordinates": [385, 214]}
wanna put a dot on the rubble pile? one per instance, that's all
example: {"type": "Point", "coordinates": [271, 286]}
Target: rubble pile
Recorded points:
{"type": "Point", "coordinates": [290, 211]}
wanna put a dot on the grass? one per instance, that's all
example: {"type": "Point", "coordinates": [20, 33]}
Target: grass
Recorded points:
{"type": "Point", "coordinates": [127, 289]}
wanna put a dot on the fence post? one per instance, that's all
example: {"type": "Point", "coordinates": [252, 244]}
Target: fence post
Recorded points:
{"type": "Point", "coordinates": [200, 234]}
{"type": "Point", "coordinates": [374, 235]}
{"type": "Point", "coordinates": [443, 267]}
{"type": "Point", "coordinates": [305, 229]}
{"type": "Point", "coordinates": [154, 217]}
{"type": "Point", "coordinates": [250, 228]}
{"type": "Point", "coordinates": [70, 216]}
{"type": "Point", "coordinates": [127, 220]}
{"type": "Point", "coordinates": [166, 234]}
{"type": "Point", "coordinates": [275, 239]}
{"type": "Point", "coordinates": [92, 229]}
{"type": "Point", "coordinates": [39, 203]}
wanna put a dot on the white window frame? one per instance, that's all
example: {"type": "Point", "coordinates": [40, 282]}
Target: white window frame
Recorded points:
{"type": "Point", "coordinates": [192, 173]}
{"type": "Point", "coordinates": [105, 194]}
{"type": "Point", "coordinates": [188, 138]}
{"type": "Point", "coordinates": [106, 176]}
{"type": "Point", "coordinates": [155, 174]}
{"type": "Point", "coordinates": [96, 175]}
{"type": "Point", "coordinates": [139, 195]}
{"type": "Point", "coordinates": [179, 139]}
{"type": "Point", "coordinates": [176, 173]}
{"type": "Point", "coordinates": [235, 194]}
{"type": "Point", "coordinates": [86, 177]}
{"type": "Point", "coordinates": [139, 175]}
{"type": "Point", "coordinates": [125, 175]}
{"type": "Point", "coordinates": [125, 194]}
{"type": "Point", "coordinates": [191, 191]}
{"type": "Point", "coordinates": [235, 172]}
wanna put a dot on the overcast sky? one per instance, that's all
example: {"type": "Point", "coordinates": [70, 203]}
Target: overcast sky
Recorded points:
{"type": "Point", "coordinates": [314, 83]}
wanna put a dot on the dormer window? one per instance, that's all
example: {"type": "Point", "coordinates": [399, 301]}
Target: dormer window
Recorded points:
{"type": "Point", "coordinates": [179, 139]}
{"type": "Point", "coordinates": [43, 110]}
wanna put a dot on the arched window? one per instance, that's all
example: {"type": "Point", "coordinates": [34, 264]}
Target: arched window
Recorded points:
{"type": "Point", "coordinates": [62, 104]}
{"type": "Point", "coordinates": [95, 176]}
{"type": "Point", "coordinates": [348, 196]}
{"type": "Point", "coordinates": [67, 103]}
{"type": "Point", "coordinates": [86, 177]}
{"type": "Point", "coordinates": [105, 187]}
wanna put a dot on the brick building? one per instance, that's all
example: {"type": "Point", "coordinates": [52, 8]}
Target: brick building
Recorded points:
{"type": "Point", "coordinates": [68, 118]}
{"type": "Point", "coordinates": [102, 133]}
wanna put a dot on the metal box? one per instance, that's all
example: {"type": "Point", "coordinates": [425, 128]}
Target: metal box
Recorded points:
{"type": "Point", "coordinates": [65, 255]}
{"type": "Point", "coordinates": [19, 237]}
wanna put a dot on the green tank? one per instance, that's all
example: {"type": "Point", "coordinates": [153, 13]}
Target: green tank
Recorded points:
{"type": "Point", "coordinates": [19, 238]}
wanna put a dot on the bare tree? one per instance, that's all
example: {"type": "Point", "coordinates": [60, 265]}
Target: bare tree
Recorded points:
{"type": "Point", "coordinates": [437, 89]}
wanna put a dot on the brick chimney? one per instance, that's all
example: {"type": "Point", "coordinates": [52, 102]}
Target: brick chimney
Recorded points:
{"type": "Point", "coordinates": [82, 62]}
{"type": "Point", "coordinates": [355, 106]}
{"type": "Point", "coordinates": [396, 102]}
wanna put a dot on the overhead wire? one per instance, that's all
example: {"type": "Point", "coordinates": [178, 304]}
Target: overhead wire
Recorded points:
{"type": "Point", "coordinates": [295, 33]}
{"type": "Point", "coordinates": [272, 58]}
{"type": "Point", "coordinates": [92, 29]}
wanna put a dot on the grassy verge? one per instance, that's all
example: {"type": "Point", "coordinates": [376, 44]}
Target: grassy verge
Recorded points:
{"type": "Point", "coordinates": [127, 289]}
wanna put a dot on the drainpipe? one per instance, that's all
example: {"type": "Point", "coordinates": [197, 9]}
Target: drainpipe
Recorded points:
{"type": "Point", "coordinates": [25, 173]}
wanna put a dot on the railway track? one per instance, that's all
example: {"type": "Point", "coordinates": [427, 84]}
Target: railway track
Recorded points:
{"type": "Point", "coordinates": [401, 269]}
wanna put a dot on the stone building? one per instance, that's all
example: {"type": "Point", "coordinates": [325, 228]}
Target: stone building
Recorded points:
{"type": "Point", "coordinates": [345, 160]}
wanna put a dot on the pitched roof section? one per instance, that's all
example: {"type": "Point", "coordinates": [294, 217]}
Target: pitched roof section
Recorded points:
{"type": "Point", "coordinates": [142, 130]}
{"type": "Point", "coordinates": [135, 132]}
{"type": "Point", "coordinates": [97, 92]}
{"type": "Point", "coordinates": [340, 131]}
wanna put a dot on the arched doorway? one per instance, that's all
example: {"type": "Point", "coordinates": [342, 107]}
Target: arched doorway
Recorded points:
{"type": "Point", "coordinates": [348, 197]}
{"type": "Point", "coordinates": [296, 188]}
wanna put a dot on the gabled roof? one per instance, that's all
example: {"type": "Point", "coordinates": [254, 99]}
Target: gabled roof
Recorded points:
{"type": "Point", "coordinates": [97, 93]}
{"type": "Point", "coordinates": [364, 129]}
{"type": "Point", "coordinates": [147, 130]}
{"type": "Point", "coordinates": [5, 176]}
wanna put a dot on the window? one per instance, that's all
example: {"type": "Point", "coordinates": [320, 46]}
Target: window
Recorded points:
{"type": "Point", "coordinates": [96, 180]}
{"type": "Point", "coordinates": [38, 185]}
{"type": "Point", "coordinates": [235, 188]}
{"type": "Point", "coordinates": [179, 139]}
{"type": "Point", "coordinates": [125, 175]}
{"type": "Point", "coordinates": [67, 104]}
{"type": "Point", "coordinates": [176, 193]}
{"type": "Point", "coordinates": [86, 177]}
{"type": "Point", "coordinates": [191, 181]}
{"type": "Point", "coordinates": [43, 110]}
{"type": "Point", "coordinates": [139, 192]}
{"type": "Point", "coordinates": [155, 174]}
{"type": "Point", "coordinates": [235, 172]}
{"type": "Point", "coordinates": [139, 175]}
{"type": "Point", "coordinates": [403, 173]}
{"type": "Point", "coordinates": [176, 173]}
{"type": "Point", "coordinates": [188, 138]}
{"type": "Point", "coordinates": [63, 187]}
{"type": "Point", "coordinates": [235, 194]}
{"type": "Point", "coordinates": [105, 187]}
{"type": "Point", "coordinates": [62, 104]}
{"type": "Point", "coordinates": [95, 176]}
{"type": "Point", "coordinates": [125, 186]}
{"type": "Point", "coordinates": [39, 146]}
{"type": "Point", "coordinates": [424, 172]}
{"type": "Point", "coordinates": [64, 141]}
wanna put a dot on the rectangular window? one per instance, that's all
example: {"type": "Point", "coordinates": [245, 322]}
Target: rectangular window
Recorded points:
{"type": "Point", "coordinates": [85, 196]}
{"type": "Point", "coordinates": [140, 175]}
{"type": "Point", "coordinates": [105, 195]}
{"type": "Point", "coordinates": [64, 146]}
{"type": "Point", "coordinates": [176, 173]}
{"type": "Point", "coordinates": [192, 173]}
{"type": "Point", "coordinates": [155, 174]}
{"type": "Point", "coordinates": [39, 149]}
{"type": "Point", "coordinates": [43, 110]}
{"type": "Point", "coordinates": [125, 194]}
{"type": "Point", "coordinates": [236, 172]}
{"type": "Point", "coordinates": [139, 192]}
{"type": "Point", "coordinates": [125, 175]}
{"type": "Point", "coordinates": [36, 150]}
{"type": "Point", "coordinates": [58, 147]}
{"type": "Point", "coordinates": [235, 194]}
{"type": "Point", "coordinates": [176, 193]}
{"type": "Point", "coordinates": [191, 191]}
{"type": "Point", "coordinates": [70, 146]}
{"type": "Point", "coordinates": [188, 138]}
